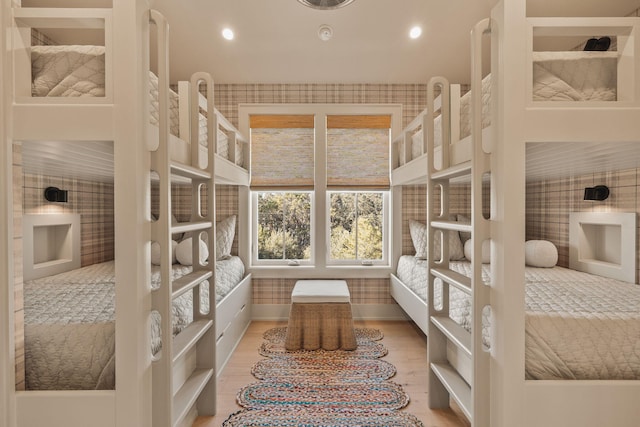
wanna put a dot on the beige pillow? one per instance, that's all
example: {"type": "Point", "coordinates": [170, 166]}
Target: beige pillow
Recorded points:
{"type": "Point", "coordinates": [418, 231]}
{"type": "Point", "coordinates": [225, 232]}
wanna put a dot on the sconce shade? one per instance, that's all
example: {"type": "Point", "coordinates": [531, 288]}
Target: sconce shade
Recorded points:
{"type": "Point", "coordinates": [54, 194]}
{"type": "Point", "coordinates": [599, 192]}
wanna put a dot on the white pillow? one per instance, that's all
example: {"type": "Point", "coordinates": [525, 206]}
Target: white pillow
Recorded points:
{"type": "Point", "coordinates": [184, 252]}
{"type": "Point", "coordinates": [225, 231]}
{"type": "Point", "coordinates": [486, 251]}
{"type": "Point", "coordinates": [155, 252]}
{"type": "Point", "coordinates": [540, 253]}
{"type": "Point", "coordinates": [418, 233]}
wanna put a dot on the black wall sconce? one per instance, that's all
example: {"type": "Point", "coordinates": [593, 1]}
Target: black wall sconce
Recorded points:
{"type": "Point", "coordinates": [54, 194]}
{"type": "Point", "coordinates": [599, 192]}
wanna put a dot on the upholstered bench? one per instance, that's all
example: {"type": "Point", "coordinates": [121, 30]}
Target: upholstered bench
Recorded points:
{"type": "Point", "coordinates": [320, 316]}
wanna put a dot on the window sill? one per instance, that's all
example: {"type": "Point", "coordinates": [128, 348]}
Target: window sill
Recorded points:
{"type": "Point", "coordinates": [327, 272]}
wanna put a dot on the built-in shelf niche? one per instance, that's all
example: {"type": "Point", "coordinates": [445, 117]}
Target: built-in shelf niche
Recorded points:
{"type": "Point", "coordinates": [73, 26]}
{"type": "Point", "coordinates": [567, 34]}
{"type": "Point", "coordinates": [51, 244]}
{"type": "Point", "coordinates": [603, 243]}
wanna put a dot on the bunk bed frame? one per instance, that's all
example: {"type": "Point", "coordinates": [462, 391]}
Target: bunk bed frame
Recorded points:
{"type": "Point", "coordinates": [178, 383]}
{"type": "Point", "coordinates": [497, 393]}
{"type": "Point", "coordinates": [586, 403]}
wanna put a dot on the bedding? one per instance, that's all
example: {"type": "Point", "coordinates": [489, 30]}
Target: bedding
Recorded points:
{"type": "Point", "coordinates": [67, 70]}
{"type": "Point", "coordinates": [69, 323]}
{"type": "Point", "coordinates": [578, 325]}
{"type": "Point", "coordinates": [79, 71]}
{"type": "Point", "coordinates": [557, 76]}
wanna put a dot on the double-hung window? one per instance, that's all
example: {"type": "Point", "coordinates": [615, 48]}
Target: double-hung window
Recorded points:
{"type": "Point", "coordinates": [320, 190]}
{"type": "Point", "coordinates": [357, 188]}
{"type": "Point", "coordinates": [282, 187]}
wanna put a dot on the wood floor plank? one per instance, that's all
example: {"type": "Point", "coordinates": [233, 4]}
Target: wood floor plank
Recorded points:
{"type": "Point", "coordinates": [407, 347]}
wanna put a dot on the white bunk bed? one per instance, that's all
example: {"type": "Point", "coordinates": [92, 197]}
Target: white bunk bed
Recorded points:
{"type": "Point", "coordinates": [557, 76]}
{"type": "Point", "coordinates": [495, 389]}
{"type": "Point", "coordinates": [185, 367]}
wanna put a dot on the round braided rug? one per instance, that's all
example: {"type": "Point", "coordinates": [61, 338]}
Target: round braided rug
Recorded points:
{"type": "Point", "coordinates": [278, 418]}
{"type": "Point", "coordinates": [366, 349]}
{"type": "Point", "coordinates": [326, 369]}
{"type": "Point", "coordinates": [385, 395]}
{"type": "Point", "coordinates": [362, 334]}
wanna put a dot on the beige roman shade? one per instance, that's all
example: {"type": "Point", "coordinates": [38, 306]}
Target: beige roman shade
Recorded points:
{"type": "Point", "coordinates": [358, 152]}
{"type": "Point", "coordinates": [282, 151]}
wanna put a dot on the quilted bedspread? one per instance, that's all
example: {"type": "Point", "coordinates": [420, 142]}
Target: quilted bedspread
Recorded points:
{"type": "Point", "coordinates": [69, 323]}
{"type": "Point", "coordinates": [578, 325]}
{"type": "Point", "coordinates": [67, 70]}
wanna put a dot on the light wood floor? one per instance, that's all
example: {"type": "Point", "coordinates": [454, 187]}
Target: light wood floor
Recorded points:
{"type": "Point", "coordinates": [407, 351]}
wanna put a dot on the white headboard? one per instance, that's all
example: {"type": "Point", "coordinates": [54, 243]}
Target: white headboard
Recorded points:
{"type": "Point", "coordinates": [51, 244]}
{"type": "Point", "coordinates": [603, 243]}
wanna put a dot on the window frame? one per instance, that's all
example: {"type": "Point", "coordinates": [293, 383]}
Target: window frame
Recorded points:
{"type": "Point", "coordinates": [254, 221]}
{"type": "Point", "coordinates": [320, 267]}
{"type": "Point", "coordinates": [386, 196]}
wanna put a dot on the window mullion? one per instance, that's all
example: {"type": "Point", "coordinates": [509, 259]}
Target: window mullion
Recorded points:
{"type": "Point", "coordinates": [321, 224]}
{"type": "Point", "coordinates": [357, 211]}
{"type": "Point", "coordinates": [284, 230]}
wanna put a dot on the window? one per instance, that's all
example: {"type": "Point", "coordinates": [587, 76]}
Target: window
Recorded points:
{"type": "Point", "coordinates": [320, 185]}
{"type": "Point", "coordinates": [357, 164]}
{"type": "Point", "coordinates": [284, 226]}
{"type": "Point", "coordinates": [357, 226]}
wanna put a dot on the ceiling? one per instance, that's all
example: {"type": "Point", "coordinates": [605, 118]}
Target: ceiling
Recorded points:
{"type": "Point", "coordinates": [277, 40]}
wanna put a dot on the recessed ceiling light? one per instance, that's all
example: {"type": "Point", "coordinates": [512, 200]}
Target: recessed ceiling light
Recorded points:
{"type": "Point", "coordinates": [227, 33]}
{"type": "Point", "coordinates": [415, 32]}
{"type": "Point", "coordinates": [325, 32]}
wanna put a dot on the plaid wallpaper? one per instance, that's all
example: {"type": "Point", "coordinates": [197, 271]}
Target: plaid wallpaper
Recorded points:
{"type": "Point", "coordinates": [411, 96]}
{"type": "Point", "coordinates": [92, 200]}
{"type": "Point", "coordinates": [226, 204]}
{"type": "Point", "coordinates": [414, 206]}
{"type": "Point", "coordinates": [363, 291]}
{"type": "Point", "coordinates": [18, 285]}
{"type": "Point", "coordinates": [39, 39]}
{"type": "Point", "coordinates": [548, 204]}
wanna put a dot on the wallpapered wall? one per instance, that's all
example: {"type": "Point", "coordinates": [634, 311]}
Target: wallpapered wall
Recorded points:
{"type": "Point", "coordinates": [549, 203]}
{"type": "Point", "coordinates": [413, 100]}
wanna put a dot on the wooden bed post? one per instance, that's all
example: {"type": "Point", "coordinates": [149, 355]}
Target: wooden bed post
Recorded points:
{"type": "Point", "coordinates": [508, 204]}
{"type": "Point", "coordinates": [7, 373]}
{"type": "Point", "coordinates": [131, 185]}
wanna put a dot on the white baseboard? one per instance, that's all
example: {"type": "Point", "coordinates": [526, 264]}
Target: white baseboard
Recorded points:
{"type": "Point", "coordinates": [360, 312]}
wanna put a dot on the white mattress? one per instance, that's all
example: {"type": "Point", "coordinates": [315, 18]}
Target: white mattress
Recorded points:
{"type": "Point", "coordinates": [79, 70]}
{"type": "Point", "coordinates": [69, 323]}
{"type": "Point", "coordinates": [320, 291]}
{"type": "Point", "coordinates": [557, 76]}
{"type": "Point", "coordinates": [578, 325]}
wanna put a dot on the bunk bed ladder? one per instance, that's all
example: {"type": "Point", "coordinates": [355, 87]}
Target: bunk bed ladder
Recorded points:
{"type": "Point", "coordinates": [447, 380]}
{"type": "Point", "coordinates": [184, 370]}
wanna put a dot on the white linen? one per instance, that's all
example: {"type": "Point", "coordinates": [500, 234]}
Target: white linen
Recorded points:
{"type": "Point", "coordinates": [69, 323]}
{"type": "Point", "coordinates": [67, 70]}
{"type": "Point", "coordinates": [320, 291]}
{"type": "Point", "coordinates": [578, 325]}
